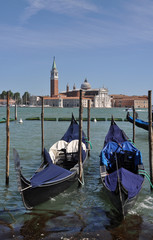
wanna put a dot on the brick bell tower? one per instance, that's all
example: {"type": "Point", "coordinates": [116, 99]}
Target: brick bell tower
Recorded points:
{"type": "Point", "coordinates": [54, 80]}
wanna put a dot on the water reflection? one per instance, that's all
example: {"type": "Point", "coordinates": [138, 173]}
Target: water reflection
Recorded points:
{"type": "Point", "coordinates": [86, 223]}
{"type": "Point", "coordinates": [130, 228]}
{"type": "Point", "coordinates": [6, 230]}
{"type": "Point", "coordinates": [53, 224]}
{"type": "Point", "coordinates": [90, 223]}
{"type": "Point", "coordinates": [34, 228]}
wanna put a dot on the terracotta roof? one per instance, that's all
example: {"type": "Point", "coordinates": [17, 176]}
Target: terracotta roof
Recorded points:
{"type": "Point", "coordinates": [120, 96]}
{"type": "Point", "coordinates": [5, 100]}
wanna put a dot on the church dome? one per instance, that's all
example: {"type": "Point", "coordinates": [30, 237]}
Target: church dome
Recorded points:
{"type": "Point", "coordinates": [85, 85]}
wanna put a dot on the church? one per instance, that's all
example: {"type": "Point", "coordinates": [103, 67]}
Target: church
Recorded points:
{"type": "Point", "coordinates": [99, 98]}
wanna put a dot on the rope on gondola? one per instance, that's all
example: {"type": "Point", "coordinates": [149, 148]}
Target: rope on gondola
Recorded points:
{"type": "Point", "coordinates": [143, 172]}
{"type": "Point", "coordinates": [130, 140]}
{"type": "Point", "coordinates": [86, 139]}
{"type": "Point", "coordinates": [89, 143]}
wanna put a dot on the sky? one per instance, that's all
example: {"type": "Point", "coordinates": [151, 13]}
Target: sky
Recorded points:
{"type": "Point", "coordinates": [109, 42]}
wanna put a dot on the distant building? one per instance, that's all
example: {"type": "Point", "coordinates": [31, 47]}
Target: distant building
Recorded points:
{"type": "Point", "coordinates": [34, 100]}
{"type": "Point", "coordinates": [99, 97]}
{"type": "Point", "coordinates": [70, 98]}
{"type": "Point", "coordinates": [129, 101]}
{"type": "Point", "coordinates": [102, 100]}
{"type": "Point", "coordinates": [3, 102]}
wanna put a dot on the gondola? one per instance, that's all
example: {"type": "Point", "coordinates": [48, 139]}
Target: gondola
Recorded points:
{"type": "Point", "coordinates": [58, 171]}
{"type": "Point", "coordinates": [138, 122]}
{"type": "Point", "coordinates": [120, 162]}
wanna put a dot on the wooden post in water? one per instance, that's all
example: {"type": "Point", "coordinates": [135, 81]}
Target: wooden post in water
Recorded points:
{"type": "Point", "coordinates": [15, 111]}
{"type": "Point", "coordinates": [80, 140]}
{"type": "Point", "coordinates": [42, 125]}
{"type": "Point", "coordinates": [88, 130]}
{"type": "Point", "coordinates": [150, 134]}
{"type": "Point", "coordinates": [7, 140]}
{"type": "Point", "coordinates": [133, 124]}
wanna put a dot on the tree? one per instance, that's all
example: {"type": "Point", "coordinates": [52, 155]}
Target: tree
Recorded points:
{"type": "Point", "coordinates": [3, 95]}
{"type": "Point", "coordinates": [17, 97]}
{"type": "Point", "coordinates": [26, 98]}
{"type": "Point", "coordinates": [11, 94]}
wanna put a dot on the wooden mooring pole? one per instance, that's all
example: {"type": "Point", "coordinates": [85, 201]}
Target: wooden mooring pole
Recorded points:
{"type": "Point", "coordinates": [133, 124]}
{"type": "Point", "coordinates": [7, 140]}
{"type": "Point", "coordinates": [42, 125]}
{"type": "Point", "coordinates": [15, 111]}
{"type": "Point", "coordinates": [88, 128]}
{"type": "Point", "coordinates": [150, 135]}
{"type": "Point", "coordinates": [80, 140]}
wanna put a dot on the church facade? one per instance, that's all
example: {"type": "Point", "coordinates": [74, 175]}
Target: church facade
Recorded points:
{"type": "Point", "coordinates": [99, 98]}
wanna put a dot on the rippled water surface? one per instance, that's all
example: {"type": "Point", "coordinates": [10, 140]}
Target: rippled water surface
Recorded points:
{"type": "Point", "coordinates": [78, 212]}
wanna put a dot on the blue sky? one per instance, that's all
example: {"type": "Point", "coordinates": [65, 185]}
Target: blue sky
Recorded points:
{"type": "Point", "coordinates": [109, 42]}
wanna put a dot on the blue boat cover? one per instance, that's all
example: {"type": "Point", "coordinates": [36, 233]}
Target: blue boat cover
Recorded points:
{"type": "Point", "coordinates": [107, 154]}
{"type": "Point", "coordinates": [83, 155]}
{"type": "Point", "coordinates": [115, 134]}
{"type": "Point", "coordinates": [131, 182]}
{"type": "Point", "coordinates": [72, 132]}
{"type": "Point", "coordinates": [47, 158]}
{"type": "Point", "coordinates": [139, 122]}
{"type": "Point", "coordinates": [49, 174]}
{"type": "Point", "coordinates": [116, 141]}
{"type": "Point", "coordinates": [142, 122]}
{"type": "Point", "coordinates": [119, 153]}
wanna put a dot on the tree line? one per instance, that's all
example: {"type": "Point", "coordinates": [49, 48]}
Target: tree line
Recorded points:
{"type": "Point", "coordinates": [16, 96]}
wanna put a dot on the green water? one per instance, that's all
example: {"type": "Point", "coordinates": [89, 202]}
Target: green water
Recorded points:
{"type": "Point", "coordinates": [78, 212]}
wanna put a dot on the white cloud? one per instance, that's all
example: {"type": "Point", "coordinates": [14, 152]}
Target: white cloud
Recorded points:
{"type": "Point", "coordinates": [59, 6]}
{"type": "Point", "coordinates": [132, 24]}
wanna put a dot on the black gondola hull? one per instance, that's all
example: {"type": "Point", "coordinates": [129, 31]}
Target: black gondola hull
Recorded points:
{"type": "Point", "coordinates": [56, 173]}
{"type": "Point", "coordinates": [138, 122]}
{"type": "Point", "coordinates": [121, 203]}
{"type": "Point", "coordinates": [120, 165]}
{"type": "Point", "coordinates": [35, 196]}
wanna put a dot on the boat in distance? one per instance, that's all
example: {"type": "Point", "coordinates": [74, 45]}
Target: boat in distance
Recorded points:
{"type": "Point", "coordinates": [59, 170]}
{"type": "Point", "coordinates": [138, 122]}
{"type": "Point", "coordinates": [120, 162]}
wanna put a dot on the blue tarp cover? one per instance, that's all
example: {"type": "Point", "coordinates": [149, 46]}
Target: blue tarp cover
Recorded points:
{"type": "Point", "coordinates": [107, 158]}
{"type": "Point", "coordinates": [115, 134]}
{"type": "Point", "coordinates": [118, 147]}
{"type": "Point", "coordinates": [131, 182]}
{"type": "Point", "coordinates": [50, 174]}
{"type": "Point", "coordinates": [72, 133]}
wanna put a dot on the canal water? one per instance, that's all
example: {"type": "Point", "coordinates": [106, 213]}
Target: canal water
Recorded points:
{"type": "Point", "coordinates": [77, 213]}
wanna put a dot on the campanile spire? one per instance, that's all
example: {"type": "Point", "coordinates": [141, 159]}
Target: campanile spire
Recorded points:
{"type": "Point", "coordinates": [54, 80]}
